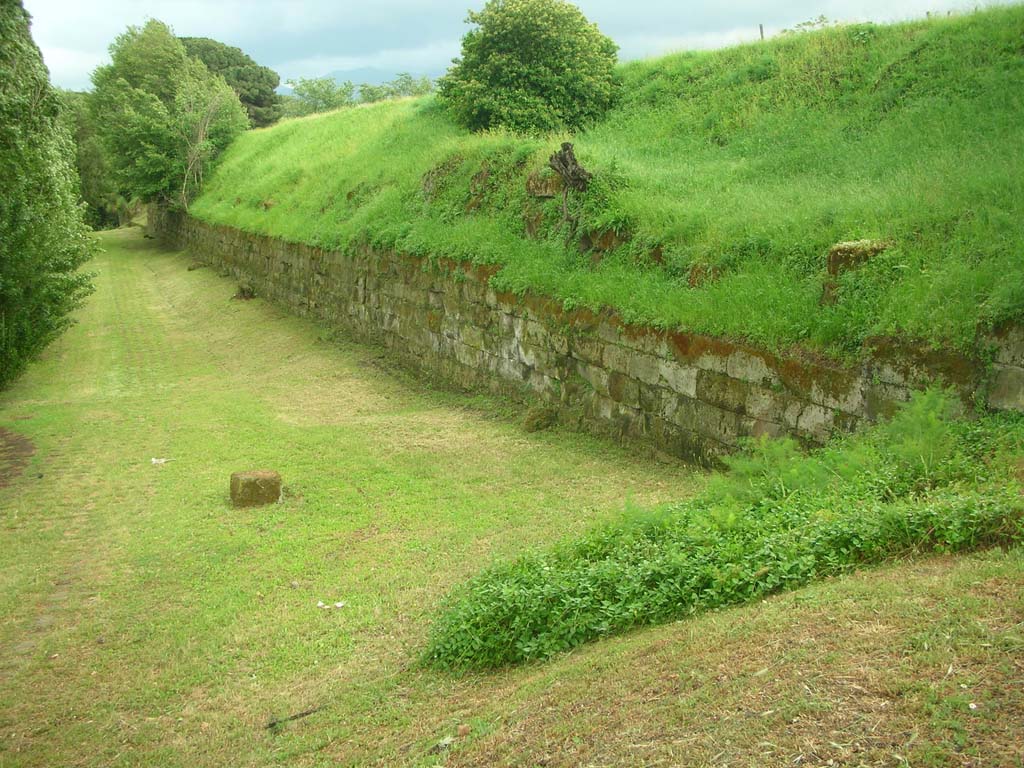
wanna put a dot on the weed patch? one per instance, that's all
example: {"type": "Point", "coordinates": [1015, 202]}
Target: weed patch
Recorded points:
{"type": "Point", "coordinates": [780, 519]}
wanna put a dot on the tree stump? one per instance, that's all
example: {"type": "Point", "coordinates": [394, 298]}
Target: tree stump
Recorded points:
{"type": "Point", "coordinates": [253, 489]}
{"type": "Point", "coordinates": [565, 165]}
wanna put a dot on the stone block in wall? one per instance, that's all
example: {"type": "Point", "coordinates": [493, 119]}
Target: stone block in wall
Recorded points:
{"type": "Point", "coordinates": [587, 349]}
{"type": "Point", "coordinates": [750, 368]}
{"type": "Point", "coordinates": [846, 396]}
{"type": "Point", "coordinates": [537, 334]}
{"type": "Point", "coordinates": [623, 389]}
{"type": "Point", "coordinates": [473, 336]}
{"type": "Point", "coordinates": [718, 424]}
{"type": "Point", "coordinates": [1009, 344]}
{"type": "Point", "coordinates": [751, 427]}
{"type": "Point", "coordinates": [645, 368]}
{"type": "Point", "coordinates": [615, 357]}
{"type": "Point", "coordinates": [1006, 392]}
{"type": "Point", "coordinates": [882, 399]}
{"type": "Point", "coordinates": [816, 422]}
{"type": "Point", "coordinates": [595, 376]}
{"type": "Point", "coordinates": [722, 391]}
{"type": "Point", "coordinates": [681, 379]}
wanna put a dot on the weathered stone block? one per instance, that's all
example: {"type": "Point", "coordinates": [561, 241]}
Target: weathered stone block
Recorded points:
{"type": "Point", "coordinates": [645, 368]}
{"type": "Point", "coordinates": [681, 379]}
{"type": "Point", "coordinates": [751, 368]}
{"type": "Point", "coordinates": [255, 488]}
{"type": "Point", "coordinates": [623, 389]}
{"type": "Point", "coordinates": [722, 391]}
{"type": "Point", "coordinates": [1007, 391]}
{"type": "Point", "coordinates": [1010, 346]}
{"type": "Point", "coordinates": [816, 423]}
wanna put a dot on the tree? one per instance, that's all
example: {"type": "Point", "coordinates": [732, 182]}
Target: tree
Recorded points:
{"type": "Point", "coordinates": [105, 205]}
{"type": "Point", "coordinates": [318, 94]}
{"type": "Point", "coordinates": [162, 115]}
{"type": "Point", "coordinates": [43, 240]}
{"type": "Point", "coordinates": [256, 85]}
{"type": "Point", "coordinates": [530, 65]}
{"type": "Point", "coordinates": [403, 85]}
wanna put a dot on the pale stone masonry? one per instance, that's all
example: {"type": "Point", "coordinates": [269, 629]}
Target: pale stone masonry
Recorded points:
{"type": "Point", "coordinates": [686, 394]}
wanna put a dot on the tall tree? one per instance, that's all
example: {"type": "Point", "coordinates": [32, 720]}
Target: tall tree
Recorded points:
{"type": "Point", "coordinates": [105, 205]}
{"type": "Point", "coordinates": [43, 240]}
{"type": "Point", "coordinates": [162, 115]}
{"type": "Point", "coordinates": [255, 84]}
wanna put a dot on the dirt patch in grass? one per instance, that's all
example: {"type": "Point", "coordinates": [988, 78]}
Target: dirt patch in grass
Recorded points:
{"type": "Point", "coordinates": [15, 451]}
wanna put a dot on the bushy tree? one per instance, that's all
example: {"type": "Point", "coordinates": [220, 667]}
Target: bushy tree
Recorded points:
{"type": "Point", "coordinates": [162, 115]}
{"type": "Point", "coordinates": [318, 94]}
{"type": "Point", "coordinates": [530, 65]}
{"type": "Point", "coordinates": [43, 240]}
{"type": "Point", "coordinates": [255, 84]}
{"type": "Point", "coordinates": [403, 85]}
{"type": "Point", "coordinates": [105, 204]}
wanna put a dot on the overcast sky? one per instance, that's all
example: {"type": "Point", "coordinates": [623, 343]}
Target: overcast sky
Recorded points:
{"type": "Point", "coordinates": [309, 38]}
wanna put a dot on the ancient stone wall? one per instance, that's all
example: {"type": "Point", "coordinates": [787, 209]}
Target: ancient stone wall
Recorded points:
{"type": "Point", "coordinates": [686, 394]}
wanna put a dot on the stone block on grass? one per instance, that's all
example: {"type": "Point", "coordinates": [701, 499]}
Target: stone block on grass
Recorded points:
{"type": "Point", "coordinates": [253, 489]}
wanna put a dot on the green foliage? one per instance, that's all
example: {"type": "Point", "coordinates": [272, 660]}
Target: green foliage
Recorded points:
{"type": "Point", "coordinates": [780, 519]}
{"type": "Point", "coordinates": [318, 94]}
{"type": "Point", "coordinates": [43, 240]}
{"type": "Point", "coordinates": [162, 116]}
{"type": "Point", "coordinates": [402, 86]}
{"type": "Point", "coordinates": [532, 66]}
{"type": "Point", "coordinates": [105, 205]}
{"type": "Point", "coordinates": [752, 160]}
{"type": "Point", "coordinates": [255, 85]}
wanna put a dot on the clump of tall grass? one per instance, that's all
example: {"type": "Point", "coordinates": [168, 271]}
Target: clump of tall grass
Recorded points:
{"type": "Point", "coordinates": [778, 519]}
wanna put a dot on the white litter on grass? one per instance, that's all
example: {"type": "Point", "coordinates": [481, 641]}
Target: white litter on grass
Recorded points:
{"type": "Point", "coordinates": [159, 461]}
{"type": "Point", "coordinates": [322, 604]}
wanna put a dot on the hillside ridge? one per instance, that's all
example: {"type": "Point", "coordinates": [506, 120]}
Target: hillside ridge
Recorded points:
{"type": "Point", "coordinates": [721, 181]}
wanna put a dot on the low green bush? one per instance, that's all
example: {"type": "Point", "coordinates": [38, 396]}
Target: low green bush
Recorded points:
{"type": "Point", "coordinates": [780, 519]}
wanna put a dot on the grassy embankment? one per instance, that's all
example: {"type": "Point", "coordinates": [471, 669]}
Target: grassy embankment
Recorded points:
{"type": "Point", "coordinates": [748, 163]}
{"type": "Point", "coordinates": [147, 623]}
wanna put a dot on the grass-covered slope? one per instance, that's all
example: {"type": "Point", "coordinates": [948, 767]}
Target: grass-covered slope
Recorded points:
{"type": "Point", "coordinates": [746, 164]}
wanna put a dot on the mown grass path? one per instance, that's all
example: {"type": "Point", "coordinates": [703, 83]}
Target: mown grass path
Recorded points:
{"type": "Point", "coordinates": [145, 622]}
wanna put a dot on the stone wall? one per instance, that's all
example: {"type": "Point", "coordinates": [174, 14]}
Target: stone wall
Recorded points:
{"type": "Point", "coordinates": [689, 395]}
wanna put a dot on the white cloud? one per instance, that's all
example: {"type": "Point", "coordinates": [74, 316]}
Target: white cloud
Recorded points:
{"type": "Point", "coordinates": [427, 58]}
{"type": "Point", "coordinates": [70, 68]}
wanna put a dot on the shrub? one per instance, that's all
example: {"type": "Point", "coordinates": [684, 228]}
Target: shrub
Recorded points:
{"type": "Point", "coordinates": [43, 240]}
{"type": "Point", "coordinates": [779, 520]}
{"type": "Point", "coordinates": [530, 65]}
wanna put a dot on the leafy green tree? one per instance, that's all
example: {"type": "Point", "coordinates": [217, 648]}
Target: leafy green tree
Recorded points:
{"type": "Point", "coordinates": [255, 84]}
{"type": "Point", "coordinates": [162, 115]}
{"type": "Point", "coordinates": [106, 206]}
{"type": "Point", "coordinates": [369, 94]}
{"type": "Point", "coordinates": [43, 240]}
{"type": "Point", "coordinates": [318, 94]}
{"type": "Point", "coordinates": [403, 85]}
{"type": "Point", "coordinates": [530, 65]}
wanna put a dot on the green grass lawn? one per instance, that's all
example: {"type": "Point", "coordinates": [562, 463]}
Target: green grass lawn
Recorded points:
{"type": "Point", "coordinates": [145, 622]}
{"type": "Point", "coordinates": [746, 163]}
